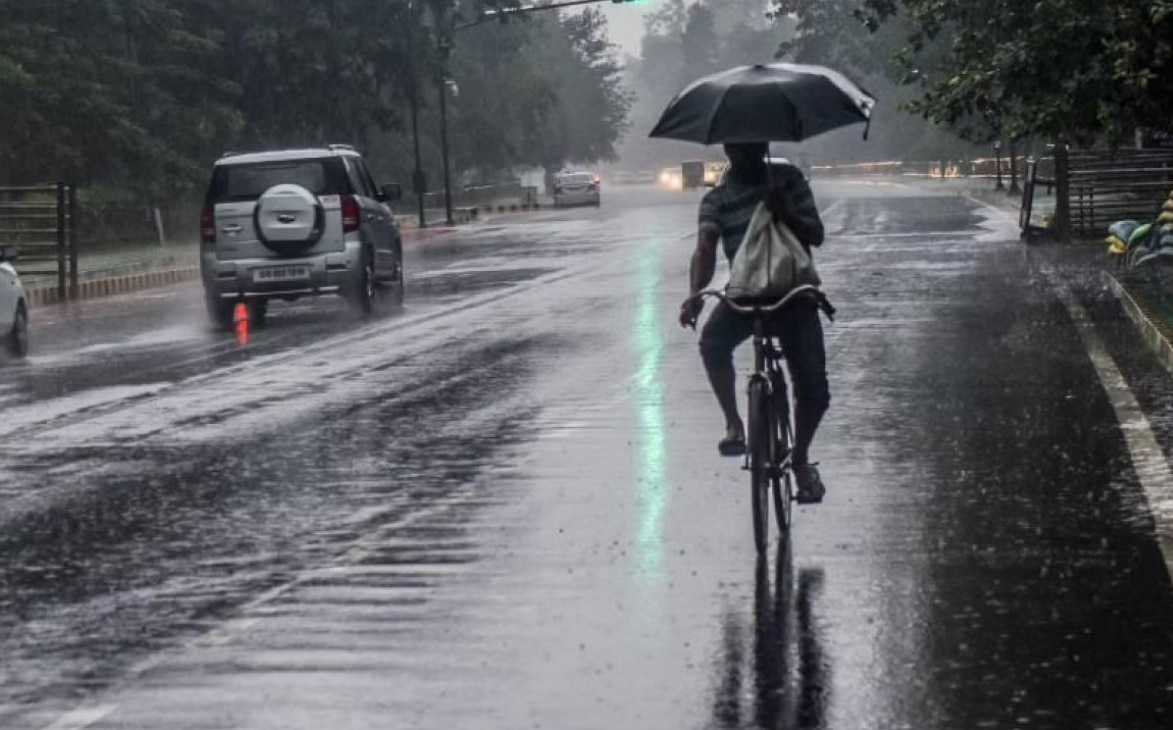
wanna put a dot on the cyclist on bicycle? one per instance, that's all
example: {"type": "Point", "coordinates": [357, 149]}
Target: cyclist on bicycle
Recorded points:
{"type": "Point", "coordinates": [725, 213]}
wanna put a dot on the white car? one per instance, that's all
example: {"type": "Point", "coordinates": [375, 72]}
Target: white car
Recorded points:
{"type": "Point", "coordinates": [576, 188]}
{"type": "Point", "coordinates": [14, 311]}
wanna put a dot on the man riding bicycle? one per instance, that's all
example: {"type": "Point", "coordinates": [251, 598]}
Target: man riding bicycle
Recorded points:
{"type": "Point", "coordinates": [725, 214]}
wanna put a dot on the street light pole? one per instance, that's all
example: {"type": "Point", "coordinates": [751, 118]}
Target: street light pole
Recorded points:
{"type": "Point", "coordinates": [1014, 188]}
{"type": "Point", "coordinates": [998, 165]}
{"type": "Point", "coordinates": [444, 42]}
{"type": "Point", "coordinates": [445, 45]}
{"type": "Point", "coordinates": [418, 180]}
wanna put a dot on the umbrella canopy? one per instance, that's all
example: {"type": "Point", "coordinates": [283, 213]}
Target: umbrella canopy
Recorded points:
{"type": "Point", "coordinates": [779, 102]}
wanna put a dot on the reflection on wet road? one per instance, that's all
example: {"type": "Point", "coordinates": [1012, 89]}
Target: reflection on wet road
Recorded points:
{"type": "Point", "coordinates": [780, 654]}
{"type": "Point", "coordinates": [502, 507]}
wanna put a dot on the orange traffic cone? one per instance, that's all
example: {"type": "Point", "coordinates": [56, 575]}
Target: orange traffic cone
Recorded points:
{"type": "Point", "coordinates": [240, 319]}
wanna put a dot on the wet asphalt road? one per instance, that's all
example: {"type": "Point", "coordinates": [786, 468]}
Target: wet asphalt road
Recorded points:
{"type": "Point", "coordinates": [502, 507]}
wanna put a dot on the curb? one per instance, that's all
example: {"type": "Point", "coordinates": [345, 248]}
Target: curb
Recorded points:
{"type": "Point", "coordinates": [513, 207]}
{"type": "Point", "coordinates": [41, 295]}
{"type": "Point", "coordinates": [1156, 335]}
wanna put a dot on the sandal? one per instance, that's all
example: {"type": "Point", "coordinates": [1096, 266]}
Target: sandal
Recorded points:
{"type": "Point", "coordinates": [732, 446]}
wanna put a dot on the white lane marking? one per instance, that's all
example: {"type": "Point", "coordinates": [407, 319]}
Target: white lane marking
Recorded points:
{"type": "Point", "coordinates": [1152, 469]}
{"type": "Point", "coordinates": [81, 718]}
{"type": "Point", "coordinates": [1148, 459]}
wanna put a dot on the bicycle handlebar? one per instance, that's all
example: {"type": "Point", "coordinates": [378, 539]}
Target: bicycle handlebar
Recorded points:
{"type": "Point", "coordinates": [754, 308]}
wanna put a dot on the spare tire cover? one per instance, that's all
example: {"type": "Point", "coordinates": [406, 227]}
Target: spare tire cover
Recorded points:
{"type": "Point", "coordinates": [289, 219]}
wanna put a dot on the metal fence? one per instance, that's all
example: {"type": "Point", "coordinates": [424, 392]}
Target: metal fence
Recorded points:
{"type": "Point", "coordinates": [476, 196]}
{"type": "Point", "coordinates": [41, 222]}
{"type": "Point", "coordinates": [1104, 187]}
{"type": "Point", "coordinates": [1123, 185]}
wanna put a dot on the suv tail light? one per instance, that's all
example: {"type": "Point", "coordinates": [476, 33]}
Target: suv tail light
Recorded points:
{"type": "Point", "coordinates": [208, 227]}
{"type": "Point", "coordinates": [351, 215]}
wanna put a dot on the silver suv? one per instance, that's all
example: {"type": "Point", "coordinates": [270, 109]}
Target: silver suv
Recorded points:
{"type": "Point", "coordinates": [294, 223]}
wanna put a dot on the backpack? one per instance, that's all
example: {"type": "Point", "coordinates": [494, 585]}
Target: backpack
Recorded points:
{"type": "Point", "coordinates": [771, 261]}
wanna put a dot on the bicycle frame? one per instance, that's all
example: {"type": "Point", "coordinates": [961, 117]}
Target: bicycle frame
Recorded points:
{"type": "Point", "coordinates": [770, 443]}
{"type": "Point", "coordinates": [768, 370]}
{"type": "Point", "coordinates": [767, 359]}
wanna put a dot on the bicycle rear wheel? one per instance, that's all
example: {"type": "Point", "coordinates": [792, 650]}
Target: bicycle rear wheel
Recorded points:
{"type": "Point", "coordinates": [783, 490]}
{"type": "Point", "coordinates": [760, 436]}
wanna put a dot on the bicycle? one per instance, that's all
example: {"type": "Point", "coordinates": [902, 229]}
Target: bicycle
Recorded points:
{"type": "Point", "coordinates": [769, 432]}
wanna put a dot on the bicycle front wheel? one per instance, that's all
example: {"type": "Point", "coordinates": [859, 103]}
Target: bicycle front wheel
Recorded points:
{"type": "Point", "coordinates": [760, 435]}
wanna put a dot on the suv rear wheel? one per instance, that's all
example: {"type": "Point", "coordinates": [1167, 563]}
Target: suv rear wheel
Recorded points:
{"type": "Point", "coordinates": [220, 312]}
{"type": "Point", "coordinates": [363, 291]}
{"type": "Point", "coordinates": [18, 337]}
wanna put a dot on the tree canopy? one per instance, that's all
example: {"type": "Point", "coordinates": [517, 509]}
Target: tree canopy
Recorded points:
{"type": "Point", "coordinates": [681, 42]}
{"type": "Point", "coordinates": [141, 95]}
{"type": "Point", "coordinates": [1087, 71]}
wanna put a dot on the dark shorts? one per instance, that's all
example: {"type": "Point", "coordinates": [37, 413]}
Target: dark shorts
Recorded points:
{"type": "Point", "coordinates": [800, 332]}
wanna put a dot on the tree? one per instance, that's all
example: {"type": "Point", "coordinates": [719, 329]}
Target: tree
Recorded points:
{"type": "Point", "coordinates": [106, 92]}
{"type": "Point", "coordinates": [701, 45]}
{"type": "Point", "coordinates": [841, 34]}
{"type": "Point", "coordinates": [139, 96]}
{"type": "Point", "coordinates": [1079, 72]}
{"type": "Point", "coordinates": [593, 105]}
{"type": "Point", "coordinates": [682, 42]}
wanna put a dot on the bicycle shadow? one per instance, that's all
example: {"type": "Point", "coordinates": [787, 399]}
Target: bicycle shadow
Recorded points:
{"type": "Point", "coordinates": [785, 681]}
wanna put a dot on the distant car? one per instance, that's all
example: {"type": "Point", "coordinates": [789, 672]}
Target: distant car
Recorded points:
{"type": "Point", "coordinates": [671, 178]}
{"type": "Point", "coordinates": [774, 162]}
{"type": "Point", "coordinates": [577, 188]}
{"type": "Point", "coordinates": [298, 222]}
{"type": "Point", "coordinates": [692, 174]}
{"type": "Point", "coordinates": [14, 311]}
{"type": "Point", "coordinates": [713, 172]}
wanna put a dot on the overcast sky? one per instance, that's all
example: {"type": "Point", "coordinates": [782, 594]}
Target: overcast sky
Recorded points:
{"type": "Point", "coordinates": [627, 23]}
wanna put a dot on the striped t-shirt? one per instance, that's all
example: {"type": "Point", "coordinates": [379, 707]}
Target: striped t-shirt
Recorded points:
{"type": "Point", "coordinates": [728, 208]}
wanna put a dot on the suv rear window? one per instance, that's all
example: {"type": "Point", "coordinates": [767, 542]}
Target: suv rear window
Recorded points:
{"type": "Point", "coordinates": [234, 183]}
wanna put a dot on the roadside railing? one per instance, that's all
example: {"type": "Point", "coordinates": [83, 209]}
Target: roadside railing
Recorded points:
{"type": "Point", "coordinates": [944, 169]}
{"type": "Point", "coordinates": [1104, 187]}
{"type": "Point", "coordinates": [41, 221]}
{"type": "Point", "coordinates": [1125, 185]}
{"type": "Point", "coordinates": [476, 195]}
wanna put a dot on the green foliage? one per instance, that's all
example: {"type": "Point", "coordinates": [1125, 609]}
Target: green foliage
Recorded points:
{"type": "Point", "coordinates": [141, 95]}
{"type": "Point", "coordinates": [683, 41]}
{"type": "Point", "coordinates": [544, 91]}
{"type": "Point", "coordinates": [1087, 71]}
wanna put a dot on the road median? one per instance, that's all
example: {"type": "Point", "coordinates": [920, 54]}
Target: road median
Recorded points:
{"type": "Point", "coordinates": [40, 294]}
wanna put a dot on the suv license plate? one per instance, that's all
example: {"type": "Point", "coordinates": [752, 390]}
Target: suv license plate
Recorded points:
{"type": "Point", "coordinates": [281, 273]}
